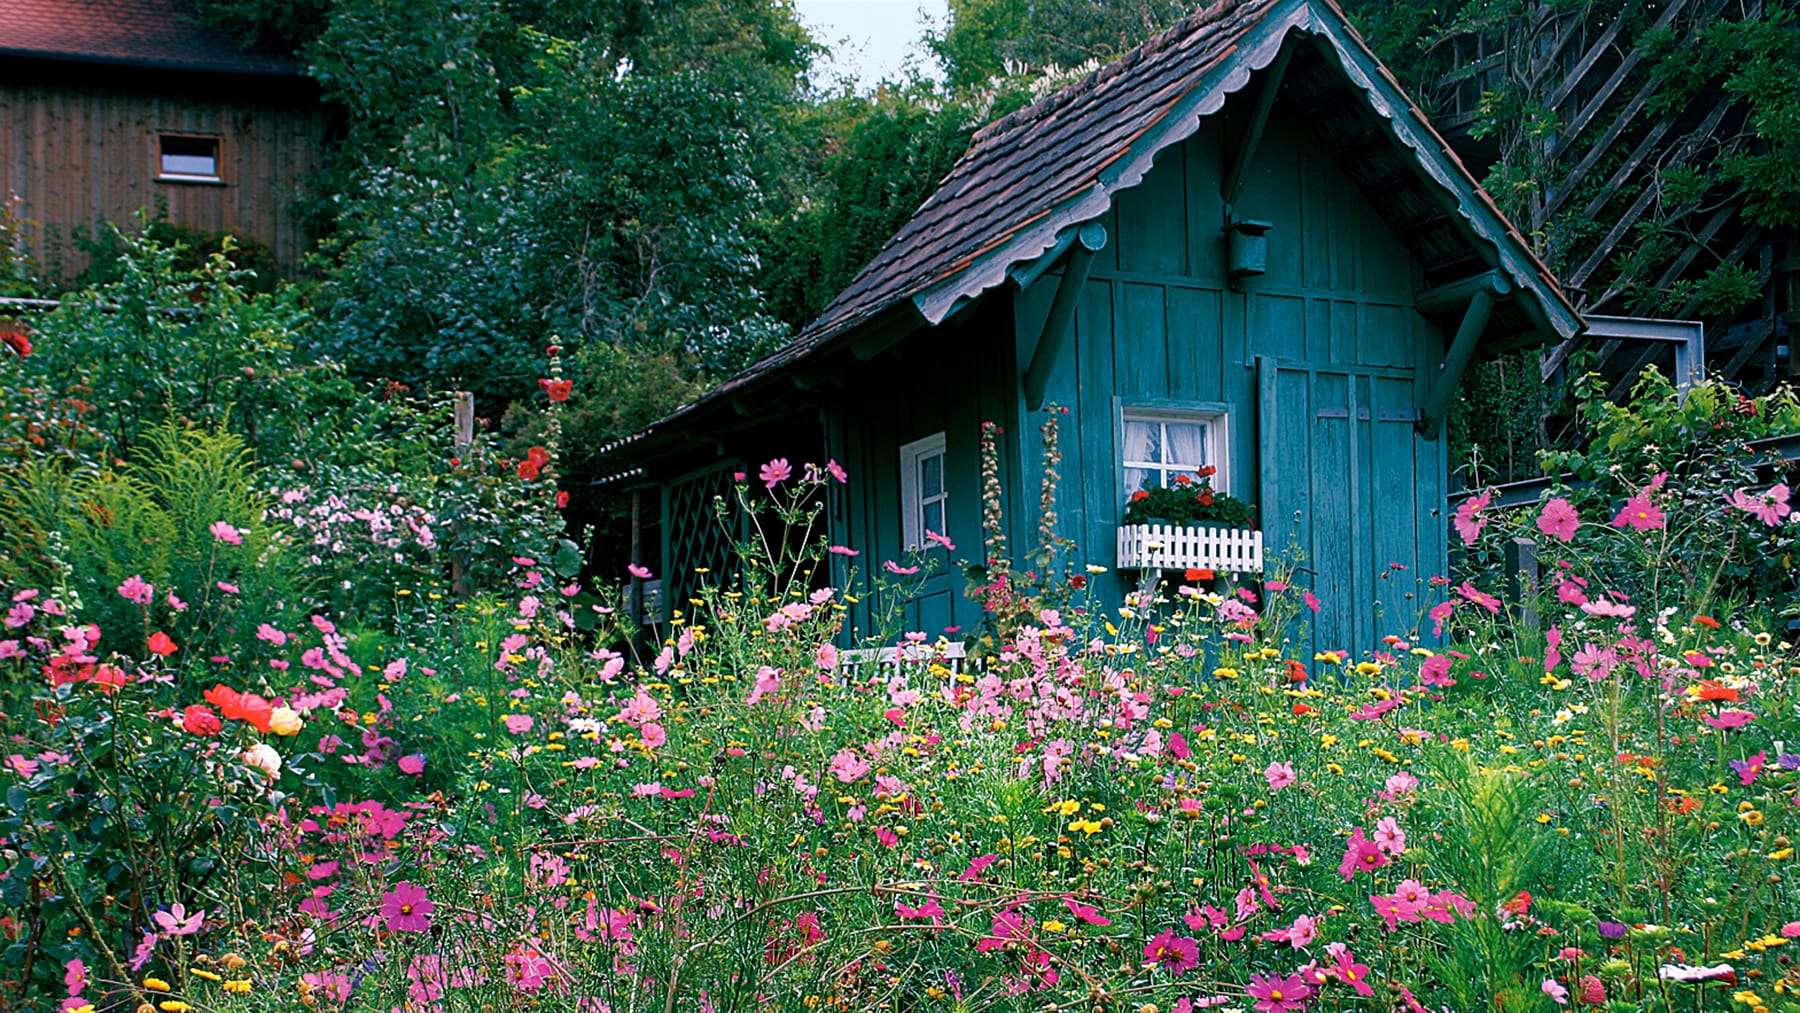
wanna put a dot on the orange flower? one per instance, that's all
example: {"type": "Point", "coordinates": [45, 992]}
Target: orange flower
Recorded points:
{"type": "Point", "coordinates": [1683, 805]}
{"type": "Point", "coordinates": [1198, 575]}
{"type": "Point", "coordinates": [160, 644]}
{"type": "Point", "coordinates": [1711, 690]}
{"type": "Point", "coordinates": [1707, 621]}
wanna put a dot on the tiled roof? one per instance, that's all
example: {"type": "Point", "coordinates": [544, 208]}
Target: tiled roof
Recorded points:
{"type": "Point", "coordinates": [145, 33]}
{"type": "Point", "coordinates": [1033, 176]}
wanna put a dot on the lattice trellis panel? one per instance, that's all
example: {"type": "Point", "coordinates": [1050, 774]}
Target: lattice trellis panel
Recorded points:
{"type": "Point", "coordinates": [697, 537]}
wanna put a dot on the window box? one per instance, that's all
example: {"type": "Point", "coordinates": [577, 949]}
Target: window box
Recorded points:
{"type": "Point", "coordinates": [1188, 547]}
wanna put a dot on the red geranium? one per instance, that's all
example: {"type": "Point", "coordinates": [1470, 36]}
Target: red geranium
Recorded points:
{"type": "Point", "coordinates": [15, 336]}
{"type": "Point", "coordinates": [557, 389]}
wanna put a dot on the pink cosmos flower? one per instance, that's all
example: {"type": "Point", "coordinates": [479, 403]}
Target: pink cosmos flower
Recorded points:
{"type": "Point", "coordinates": [1175, 954]}
{"type": "Point", "coordinates": [1559, 520]}
{"type": "Point", "coordinates": [1770, 507]}
{"type": "Point", "coordinates": [1348, 971]}
{"type": "Point", "coordinates": [136, 591]}
{"type": "Point", "coordinates": [775, 472]}
{"type": "Point", "coordinates": [1362, 855]}
{"type": "Point", "coordinates": [405, 908]}
{"type": "Point", "coordinates": [848, 767]}
{"type": "Point", "coordinates": [1083, 912]}
{"type": "Point", "coordinates": [1639, 514]}
{"type": "Point", "coordinates": [1606, 608]}
{"type": "Point", "coordinates": [518, 724]}
{"type": "Point", "coordinates": [226, 533]}
{"type": "Point", "coordinates": [1556, 992]}
{"type": "Point", "coordinates": [1278, 995]}
{"type": "Point", "coordinates": [1482, 598]}
{"type": "Point", "coordinates": [826, 657]}
{"type": "Point", "coordinates": [837, 471]}
{"type": "Point", "coordinates": [413, 764]}
{"type": "Point", "coordinates": [896, 568]}
{"type": "Point", "coordinates": [842, 550]}
{"type": "Point", "coordinates": [1469, 522]}
{"type": "Point", "coordinates": [1389, 837]}
{"type": "Point", "coordinates": [1280, 775]}
{"type": "Point", "coordinates": [640, 572]}
{"type": "Point", "coordinates": [177, 922]}
{"type": "Point", "coordinates": [1436, 671]}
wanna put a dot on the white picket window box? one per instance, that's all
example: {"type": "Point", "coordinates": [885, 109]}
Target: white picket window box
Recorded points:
{"type": "Point", "coordinates": [1171, 547]}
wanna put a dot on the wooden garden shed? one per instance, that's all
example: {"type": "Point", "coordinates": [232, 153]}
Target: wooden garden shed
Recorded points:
{"type": "Point", "coordinates": [1239, 245]}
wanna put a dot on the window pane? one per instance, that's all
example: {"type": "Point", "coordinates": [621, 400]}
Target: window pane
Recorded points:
{"type": "Point", "coordinates": [934, 517]}
{"type": "Point", "coordinates": [931, 476]}
{"type": "Point", "coordinates": [1142, 441]}
{"type": "Point", "coordinates": [190, 156]}
{"type": "Point", "coordinates": [1187, 444]}
{"type": "Point", "coordinates": [1141, 478]}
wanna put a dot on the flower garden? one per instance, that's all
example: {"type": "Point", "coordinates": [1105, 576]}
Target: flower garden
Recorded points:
{"type": "Point", "coordinates": [322, 715]}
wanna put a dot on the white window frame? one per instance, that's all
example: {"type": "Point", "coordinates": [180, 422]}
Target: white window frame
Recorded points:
{"type": "Point", "coordinates": [218, 155]}
{"type": "Point", "coordinates": [912, 503]}
{"type": "Point", "coordinates": [1214, 420]}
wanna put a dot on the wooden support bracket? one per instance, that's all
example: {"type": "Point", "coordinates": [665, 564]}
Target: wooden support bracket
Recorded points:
{"type": "Point", "coordinates": [1259, 119]}
{"type": "Point", "coordinates": [1089, 239]}
{"type": "Point", "coordinates": [1456, 361]}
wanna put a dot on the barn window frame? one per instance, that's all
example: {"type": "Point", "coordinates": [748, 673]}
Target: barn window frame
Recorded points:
{"type": "Point", "coordinates": [161, 155]}
{"type": "Point", "coordinates": [1213, 420]}
{"type": "Point", "coordinates": [916, 501]}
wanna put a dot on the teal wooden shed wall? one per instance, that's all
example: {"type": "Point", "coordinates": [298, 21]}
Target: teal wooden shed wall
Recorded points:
{"type": "Point", "coordinates": [1321, 363]}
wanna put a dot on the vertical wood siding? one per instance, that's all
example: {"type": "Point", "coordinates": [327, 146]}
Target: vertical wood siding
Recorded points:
{"type": "Point", "coordinates": [1333, 319]}
{"type": "Point", "coordinates": [79, 156]}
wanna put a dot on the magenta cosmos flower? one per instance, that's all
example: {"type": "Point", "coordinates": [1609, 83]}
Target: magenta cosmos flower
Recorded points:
{"type": "Point", "coordinates": [1640, 514]}
{"type": "Point", "coordinates": [1772, 507]}
{"type": "Point", "coordinates": [1175, 954]}
{"type": "Point", "coordinates": [405, 908]}
{"type": "Point", "coordinates": [1278, 995]}
{"type": "Point", "coordinates": [1280, 775]}
{"type": "Point", "coordinates": [775, 472]}
{"type": "Point", "coordinates": [1559, 520]}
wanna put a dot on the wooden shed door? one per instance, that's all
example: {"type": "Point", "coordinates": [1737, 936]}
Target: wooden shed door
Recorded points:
{"type": "Point", "coordinates": [1349, 487]}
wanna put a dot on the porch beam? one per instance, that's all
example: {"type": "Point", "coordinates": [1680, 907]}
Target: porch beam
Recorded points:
{"type": "Point", "coordinates": [1456, 362]}
{"type": "Point", "coordinates": [1456, 294]}
{"type": "Point", "coordinates": [1253, 131]}
{"type": "Point", "coordinates": [1089, 240]}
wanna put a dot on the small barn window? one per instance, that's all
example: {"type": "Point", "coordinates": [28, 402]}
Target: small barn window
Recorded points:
{"type": "Point", "coordinates": [187, 159]}
{"type": "Point", "coordinates": [1162, 443]}
{"type": "Point", "coordinates": [923, 497]}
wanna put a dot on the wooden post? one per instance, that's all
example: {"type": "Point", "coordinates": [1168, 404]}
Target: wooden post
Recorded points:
{"type": "Point", "coordinates": [463, 437]}
{"type": "Point", "coordinates": [1522, 578]}
{"type": "Point", "coordinates": [465, 418]}
{"type": "Point", "coordinates": [637, 547]}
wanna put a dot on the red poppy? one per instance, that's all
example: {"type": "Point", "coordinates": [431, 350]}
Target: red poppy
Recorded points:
{"type": "Point", "coordinates": [557, 389]}
{"type": "Point", "coordinates": [1707, 621]}
{"type": "Point", "coordinates": [249, 708]}
{"type": "Point", "coordinates": [1710, 690]}
{"type": "Point", "coordinates": [160, 644]}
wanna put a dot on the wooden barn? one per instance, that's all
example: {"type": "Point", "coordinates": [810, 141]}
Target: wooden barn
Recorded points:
{"type": "Point", "coordinates": [109, 106]}
{"type": "Point", "coordinates": [1237, 246]}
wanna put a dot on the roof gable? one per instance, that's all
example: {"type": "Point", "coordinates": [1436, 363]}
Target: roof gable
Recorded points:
{"type": "Point", "coordinates": [1030, 180]}
{"type": "Point", "coordinates": [163, 34]}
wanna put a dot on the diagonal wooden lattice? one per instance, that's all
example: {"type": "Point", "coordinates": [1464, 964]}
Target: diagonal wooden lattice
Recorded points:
{"type": "Point", "coordinates": [698, 538]}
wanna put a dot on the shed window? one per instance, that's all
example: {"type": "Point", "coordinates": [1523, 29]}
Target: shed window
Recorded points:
{"type": "Point", "coordinates": [923, 497]}
{"type": "Point", "coordinates": [188, 159]}
{"type": "Point", "coordinates": [1160, 444]}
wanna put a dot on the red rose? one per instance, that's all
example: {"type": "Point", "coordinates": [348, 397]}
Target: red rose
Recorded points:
{"type": "Point", "coordinates": [160, 644]}
{"type": "Point", "coordinates": [199, 719]}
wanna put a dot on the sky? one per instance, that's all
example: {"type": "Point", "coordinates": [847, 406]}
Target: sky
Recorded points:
{"type": "Point", "coordinates": [870, 39]}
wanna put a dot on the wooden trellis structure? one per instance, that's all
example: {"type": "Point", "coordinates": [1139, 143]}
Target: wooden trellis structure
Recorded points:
{"type": "Point", "coordinates": [1616, 145]}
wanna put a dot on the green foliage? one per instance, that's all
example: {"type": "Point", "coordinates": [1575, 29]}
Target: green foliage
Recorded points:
{"type": "Point", "coordinates": [157, 519]}
{"type": "Point", "coordinates": [988, 39]}
{"type": "Point", "coordinates": [108, 253]}
{"type": "Point", "coordinates": [165, 341]}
